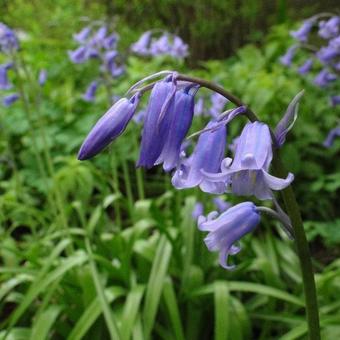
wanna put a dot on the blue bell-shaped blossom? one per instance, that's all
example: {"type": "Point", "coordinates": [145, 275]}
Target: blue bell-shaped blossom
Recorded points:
{"type": "Point", "coordinates": [207, 156]}
{"type": "Point", "coordinates": [228, 228]}
{"type": "Point", "coordinates": [109, 127]}
{"type": "Point", "coordinates": [247, 174]}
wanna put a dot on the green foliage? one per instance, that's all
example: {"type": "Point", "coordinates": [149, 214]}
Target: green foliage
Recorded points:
{"type": "Point", "coordinates": [98, 250]}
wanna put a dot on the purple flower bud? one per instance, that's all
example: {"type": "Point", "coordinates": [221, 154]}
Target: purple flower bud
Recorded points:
{"type": "Point", "coordinates": [181, 119]}
{"type": "Point", "coordinates": [247, 174]}
{"type": "Point", "coordinates": [82, 36]}
{"type": "Point", "coordinates": [10, 99]}
{"type": "Point", "coordinates": [141, 46]}
{"type": "Point", "coordinates": [287, 58]}
{"type": "Point", "coordinates": [4, 83]}
{"type": "Point", "coordinates": [78, 56]}
{"type": "Point", "coordinates": [8, 39]}
{"type": "Point", "coordinates": [42, 77]}
{"type": "Point", "coordinates": [90, 93]}
{"type": "Point", "coordinates": [221, 204]}
{"type": "Point", "coordinates": [197, 211]}
{"type": "Point", "coordinates": [330, 28]}
{"type": "Point", "coordinates": [155, 129]}
{"type": "Point", "coordinates": [335, 100]}
{"type": "Point", "coordinates": [109, 127]}
{"type": "Point", "coordinates": [324, 78]}
{"type": "Point", "coordinates": [306, 67]}
{"type": "Point", "coordinates": [207, 156]}
{"type": "Point", "coordinates": [331, 136]}
{"type": "Point", "coordinates": [228, 228]}
{"type": "Point", "coordinates": [302, 33]}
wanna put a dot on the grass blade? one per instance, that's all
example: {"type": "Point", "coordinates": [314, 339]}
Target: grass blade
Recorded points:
{"type": "Point", "coordinates": [222, 310]}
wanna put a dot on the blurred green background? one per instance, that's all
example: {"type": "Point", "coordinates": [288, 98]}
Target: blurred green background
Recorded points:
{"type": "Point", "coordinates": [99, 250]}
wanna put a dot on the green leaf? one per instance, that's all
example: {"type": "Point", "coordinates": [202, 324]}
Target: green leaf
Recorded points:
{"type": "Point", "coordinates": [222, 310]}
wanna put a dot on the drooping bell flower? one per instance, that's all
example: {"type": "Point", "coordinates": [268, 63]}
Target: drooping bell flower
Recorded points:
{"type": "Point", "coordinates": [157, 121]}
{"type": "Point", "coordinates": [330, 28]}
{"type": "Point", "coordinates": [218, 103]}
{"type": "Point", "coordinates": [78, 56]}
{"type": "Point", "coordinates": [141, 46]}
{"type": "Point", "coordinates": [4, 83]}
{"type": "Point", "coordinates": [306, 66]}
{"type": "Point", "coordinates": [331, 136]}
{"type": "Point", "coordinates": [109, 127]}
{"type": "Point", "coordinates": [99, 36]}
{"type": "Point", "coordinates": [199, 107]}
{"type": "Point", "coordinates": [8, 39]}
{"type": "Point", "coordinates": [335, 100]}
{"type": "Point", "coordinates": [207, 155]}
{"type": "Point", "coordinates": [110, 41]}
{"type": "Point", "coordinates": [327, 54]}
{"type": "Point", "coordinates": [228, 228]}
{"type": "Point", "coordinates": [160, 46]}
{"type": "Point", "coordinates": [90, 93]}
{"type": "Point", "coordinates": [221, 204]}
{"type": "Point", "coordinates": [10, 99]}
{"type": "Point", "coordinates": [82, 36]}
{"type": "Point", "coordinates": [197, 211]}
{"type": "Point", "coordinates": [181, 119]}
{"type": "Point", "coordinates": [324, 78]}
{"type": "Point", "coordinates": [179, 49]}
{"type": "Point", "coordinates": [247, 174]}
{"type": "Point", "coordinates": [287, 58]}
{"type": "Point", "coordinates": [302, 33]}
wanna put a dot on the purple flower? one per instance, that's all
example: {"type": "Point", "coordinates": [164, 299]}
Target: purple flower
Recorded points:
{"type": "Point", "coordinates": [100, 35]}
{"type": "Point", "coordinates": [10, 99]}
{"type": "Point", "coordinates": [221, 204]}
{"type": "Point", "coordinates": [331, 136]}
{"type": "Point", "coordinates": [42, 77]}
{"type": "Point", "coordinates": [141, 46]}
{"type": "Point", "coordinates": [8, 39]}
{"type": "Point", "coordinates": [157, 121]}
{"type": "Point", "coordinates": [197, 211]}
{"type": "Point", "coordinates": [82, 36]}
{"type": "Point", "coordinates": [199, 107]}
{"type": "Point", "coordinates": [218, 103]}
{"type": "Point", "coordinates": [335, 44]}
{"type": "Point", "coordinates": [247, 174]}
{"type": "Point", "coordinates": [228, 228]}
{"type": "Point", "coordinates": [207, 156]}
{"type": "Point", "coordinates": [179, 49]}
{"type": "Point", "coordinates": [4, 83]}
{"type": "Point", "coordinates": [330, 28]}
{"type": "Point", "coordinates": [324, 78]}
{"type": "Point", "coordinates": [326, 54]}
{"type": "Point", "coordinates": [160, 46]}
{"type": "Point", "coordinates": [302, 33]}
{"type": "Point", "coordinates": [287, 58]}
{"type": "Point", "coordinates": [79, 56]}
{"type": "Point", "coordinates": [181, 119]}
{"type": "Point", "coordinates": [110, 41]}
{"type": "Point", "coordinates": [109, 127]}
{"type": "Point", "coordinates": [139, 117]}
{"type": "Point", "coordinates": [306, 67]}
{"type": "Point", "coordinates": [90, 93]}
{"type": "Point", "coordinates": [335, 100]}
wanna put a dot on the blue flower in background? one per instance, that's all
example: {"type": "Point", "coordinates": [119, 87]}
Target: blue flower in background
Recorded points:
{"type": "Point", "coordinates": [90, 93]}
{"type": "Point", "coordinates": [228, 228]}
{"type": "Point", "coordinates": [331, 136]}
{"type": "Point", "coordinates": [8, 39]}
{"type": "Point", "coordinates": [330, 28]}
{"type": "Point", "coordinates": [10, 99]}
{"type": "Point", "coordinates": [4, 83]}
{"type": "Point", "coordinates": [288, 57]}
{"type": "Point", "coordinates": [302, 33]}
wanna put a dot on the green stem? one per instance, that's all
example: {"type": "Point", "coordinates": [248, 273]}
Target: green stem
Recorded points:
{"type": "Point", "coordinates": [293, 211]}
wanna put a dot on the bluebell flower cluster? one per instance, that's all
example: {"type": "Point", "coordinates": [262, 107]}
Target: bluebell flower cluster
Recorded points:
{"type": "Point", "coordinates": [151, 44]}
{"type": "Point", "coordinates": [167, 121]}
{"type": "Point", "coordinates": [97, 43]}
{"type": "Point", "coordinates": [319, 38]}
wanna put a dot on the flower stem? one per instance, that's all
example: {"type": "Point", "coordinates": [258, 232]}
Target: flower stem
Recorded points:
{"type": "Point", "coordinates": [293, 211]}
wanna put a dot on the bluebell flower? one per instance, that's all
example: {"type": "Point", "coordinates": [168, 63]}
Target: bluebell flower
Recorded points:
{"type": "Point", "coordinates": [221, 204]}
{"type": "Point", "coordinates": [218, 103]}
{"type": "Point", "coordinates": [247, 174]}
{"type": "Point", "coordinates": [179, 49]}
{"type": "Point", "coordinates": [228, 228]}
{"type": "Point", "coordinates": [331, 136]}
{"type": "Point", "coordinates": [330, 28]}
{"type": "Point", "coordinates": [199, 107]}
{"type": "Point", "coordinates": [100, 35]}
{"type": "Point", "coordinates": [111, 125]}
{"type": "Point", "coordinates": [82, 36]}
{"type": "Point", "coordinates": [10, 99]}
{"type": "Point", "coordinates": [302, 33]}
{"type": "Point", "coordinates": [287, 58]}
{"type": "Point", "coordinates": [42, 77]}
{"type": "Point", "coordinates": [207, 155]}
{"type": "Point", "coordinates": [157, 121]}
{"type": "Point", "coordinates": [142, 45]}
{"type": "Point", "coordinates": [335, 43]}
{"type": "Point", "coordinates": [160, 46]}
{"type": "Point", "coordinates": [335, 100]}
{"type": "Point", "coordinates": [4, 83]}
{"type": "Point", "coordinates": [197, 211]}
{"type": "Point", "coordinates": [306, 67]}
{"type": "Point", "coordinates": [139, 117]}
{"type": "Point", "coordinates": [90, 93]}
{"type": "Point", "coordinates": [181, 119]}
{"type": "Point", "coordinates": [324, 78]}
{"type": "Point", "coordinates": [8, 39]}
{"type": "Point", "coordinates": [327, 53]}
{"type": "Point", "coordinates": [79, 56]}
{"type": "Point", "coordinates": [110, 41]}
